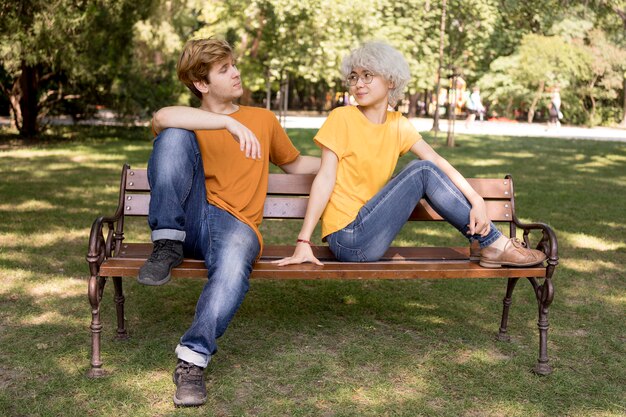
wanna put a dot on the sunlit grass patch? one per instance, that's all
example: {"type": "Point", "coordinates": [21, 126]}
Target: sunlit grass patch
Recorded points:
{"type": "Point", "coordinates": [57, 288]}
{"type": "Point", "coordinates": [489, 162]}
{"type": "Point", "coordinates": [480, 355]}
{"type": "Point", "coordinates": [588, 266]}
{"type": "Point", "coordinates": [586, 241]}
{"type": "Point", "coordinates": [43, 239]}
{"type": "Point", "coordinates": [617, 300]}
{"type": "Point", "coordinates": [27, 205]}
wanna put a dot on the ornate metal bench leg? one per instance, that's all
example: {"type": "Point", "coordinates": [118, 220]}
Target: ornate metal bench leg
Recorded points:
{"type": "Point", "coordinates": [119, 307]}
{"type": "Point", "coordinates": [545, 295]}
{"type": "Point", "coordinates": [510, 286]}
{"type": "Point", "coordinates": [95, 290]}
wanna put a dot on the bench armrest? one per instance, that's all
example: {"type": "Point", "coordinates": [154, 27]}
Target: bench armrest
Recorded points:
{"type": "Point", "coordinates": [548, 243]}
{"type": "Point", "coordinates": [99, 247]}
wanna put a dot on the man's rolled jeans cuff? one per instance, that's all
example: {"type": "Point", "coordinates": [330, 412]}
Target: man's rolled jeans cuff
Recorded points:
{"type": "Point", "coordinates": [189, 356]}
{"type": "Point", "coordinates": [171, 234]}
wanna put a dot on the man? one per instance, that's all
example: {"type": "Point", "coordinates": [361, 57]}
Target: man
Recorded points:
{"type": "Point", "coordinates": [208, 174]}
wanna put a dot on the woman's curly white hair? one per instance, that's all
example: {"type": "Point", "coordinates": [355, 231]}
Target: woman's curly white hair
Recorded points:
{"type": "Point", "coordinates": [382, 59]}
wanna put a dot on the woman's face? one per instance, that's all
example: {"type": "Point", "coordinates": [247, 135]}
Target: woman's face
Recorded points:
{"type": "Point", "coordinates": [369, 88]}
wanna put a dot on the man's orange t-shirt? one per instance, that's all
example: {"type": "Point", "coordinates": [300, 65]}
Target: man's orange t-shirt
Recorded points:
{"type": "Point", "coordinates": [238, 184]}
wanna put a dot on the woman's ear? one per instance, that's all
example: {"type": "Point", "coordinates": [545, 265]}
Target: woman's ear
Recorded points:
{"type": "Point", "coordinates": [392, 85]}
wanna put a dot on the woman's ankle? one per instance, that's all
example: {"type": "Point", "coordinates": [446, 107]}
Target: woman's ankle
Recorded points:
{"type": "Point", "coordinates": [499, 243]}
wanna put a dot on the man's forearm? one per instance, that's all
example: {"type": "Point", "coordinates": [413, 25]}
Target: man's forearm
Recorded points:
{"type": "Point", "coordinates": [189, 118]}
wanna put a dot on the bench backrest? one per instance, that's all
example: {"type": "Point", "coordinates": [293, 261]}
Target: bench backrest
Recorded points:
{"type": "Point", "coordinates": [287, 196]}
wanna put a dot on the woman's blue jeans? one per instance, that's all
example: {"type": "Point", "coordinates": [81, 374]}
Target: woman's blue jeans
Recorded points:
{"type": "Point", "coordinates": [179, 211]}
{"type": "Point", "coordinates": [379, 221]}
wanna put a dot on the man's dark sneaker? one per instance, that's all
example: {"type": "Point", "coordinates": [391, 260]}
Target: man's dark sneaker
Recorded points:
{"type": "Point", "coordinates": [157, 270]}
{"type": "Point", "coordinates": [190, 386]}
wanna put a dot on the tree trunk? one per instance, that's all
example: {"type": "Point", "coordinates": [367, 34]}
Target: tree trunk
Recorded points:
{"type": "Point", "coordinates": [442, 31]}
{"type": "Point", "coordinates": [413, 98]}
{"type": "Point", "coordinates": [28, 85]}
{"type": "Point", "coordinates": [533, 105]}
{"type": "Point", "coordinates": [509, 110]}
{"type": "Point", "coordinates": [592, 111]}
{"type": "Point", "coordinates": [268, 90]}
{"type": "Point", "coordinates": [286, 99]}
{"type": "Point", "coordinates": [623, 124]}
{"type": "Point", "coordinates": [16, 112]}
{"type": "Point", "coordinates": [452, 99]}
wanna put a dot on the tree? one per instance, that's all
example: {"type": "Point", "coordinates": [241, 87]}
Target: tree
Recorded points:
{"type": "Point", "coordinates": [548, 61]}
{"type": "Point", "coordinates": [279, 39]}
{"type": "Point", "coordinates": [604, 77]}
{"type": "Point", "coordinates": [57, 52]}
{"type": "Point", "coordinates": [501, 89]}
{"type": "Point", "coordinates": [148, 80]}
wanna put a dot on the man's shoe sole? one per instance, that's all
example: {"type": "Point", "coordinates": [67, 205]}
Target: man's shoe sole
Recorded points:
{"type": "Point", "coordinates": [180, 403]}
{"type": "Point", "coordinates": [161, 282]}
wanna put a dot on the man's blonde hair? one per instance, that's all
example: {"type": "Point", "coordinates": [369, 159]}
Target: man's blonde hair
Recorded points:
{"type": "Point", "coordinates": [198, 57]}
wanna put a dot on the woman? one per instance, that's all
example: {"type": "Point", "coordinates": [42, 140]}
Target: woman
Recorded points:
{"type": "Point", "coordinates": [361, 209]}
{"type": "Point", "coordinates": [555, 108]}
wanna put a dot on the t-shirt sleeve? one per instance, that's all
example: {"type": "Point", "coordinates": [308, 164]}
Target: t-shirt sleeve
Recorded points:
{"type": "Point", "coordinates": [409, 135]}
{"type": "Point", "coordinates": [334, 134]}
{"type": "Point", "coordinates": [282, 150]}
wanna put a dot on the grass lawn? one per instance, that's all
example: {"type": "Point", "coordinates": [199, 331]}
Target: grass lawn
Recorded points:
{"type": "Point", "coordinates": [416, 348]}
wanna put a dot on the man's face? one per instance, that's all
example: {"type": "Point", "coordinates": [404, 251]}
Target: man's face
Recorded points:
{"type": "Point", "coordinates": [225, 80]}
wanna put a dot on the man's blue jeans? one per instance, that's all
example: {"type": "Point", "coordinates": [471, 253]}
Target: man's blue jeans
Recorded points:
{"type": "Point", "coordinates": [179, 211]}
{"type": "Point", "coordinates": [380, 219]}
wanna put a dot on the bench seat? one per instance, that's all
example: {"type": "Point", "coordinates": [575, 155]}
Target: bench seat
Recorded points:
{"type": "Point", "coordinates": [398, 263]}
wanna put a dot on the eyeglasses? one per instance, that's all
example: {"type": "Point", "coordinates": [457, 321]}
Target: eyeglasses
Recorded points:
{"type": "Point", "coordinates": [353, 78]}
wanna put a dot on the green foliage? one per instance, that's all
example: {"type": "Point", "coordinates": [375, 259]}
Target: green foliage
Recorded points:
{"type": "Point", "coordinates": [549, 60]}
{"type": "Point", "coordinates": [148, 80]}
{"type": "Point", "coordinates": [123, 53]}
{"type": "Point", "coordinates": [576, 57]}
{"type": "Point", "coordinates": [500, 88]}
{"type": "Point", "coordinates": [59, 51]}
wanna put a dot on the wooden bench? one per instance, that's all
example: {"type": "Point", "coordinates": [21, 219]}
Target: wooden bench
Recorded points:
{"type": "Point", "coordinates": [110, 257]}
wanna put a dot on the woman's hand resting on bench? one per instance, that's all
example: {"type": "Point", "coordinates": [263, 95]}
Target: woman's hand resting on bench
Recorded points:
{"type": "Point", "coordinates": [303, 253]}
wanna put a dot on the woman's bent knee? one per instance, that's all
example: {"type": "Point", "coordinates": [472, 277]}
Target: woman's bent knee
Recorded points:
{"type": "Point", "coordinates": [420, 164]}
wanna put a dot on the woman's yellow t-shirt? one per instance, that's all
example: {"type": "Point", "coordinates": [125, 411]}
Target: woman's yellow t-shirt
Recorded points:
{"type": "Point", "coordinates": [367, 154]}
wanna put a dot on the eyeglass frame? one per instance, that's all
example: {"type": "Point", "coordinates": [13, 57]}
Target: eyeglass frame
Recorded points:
{"type": "Point", "coordinates": [354, 77]}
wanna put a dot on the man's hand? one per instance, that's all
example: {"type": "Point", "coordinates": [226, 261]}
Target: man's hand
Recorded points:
{"type": "Point", "coordinates": [303, 253]}
{"type": "Point", "coordinates": [248, 143]}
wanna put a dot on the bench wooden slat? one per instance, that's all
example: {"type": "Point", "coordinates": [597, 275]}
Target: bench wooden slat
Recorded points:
{"type": "Point", "coordinates": [272, 252]}
{"type": "Point", "coordinates": [398, 263]}
{"type": "Point", "coordinates": [290, 184]}
{"type": "Point", "coordinates": [497, 211]}
{"type": "Point", "coordinates": [338, 270]}
{"type": "Point", "coordinates": [391, 270]}
{"type": "Point", "coordinates": [137, 180]}
{"type": "Point", "coordinates": [295, 208]}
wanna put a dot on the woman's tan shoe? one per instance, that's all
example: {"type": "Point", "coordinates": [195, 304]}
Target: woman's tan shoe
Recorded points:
{"type": "Point", "coordinates": [515, 253]}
